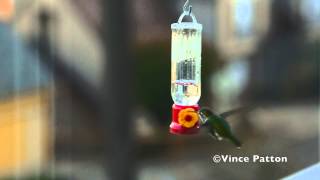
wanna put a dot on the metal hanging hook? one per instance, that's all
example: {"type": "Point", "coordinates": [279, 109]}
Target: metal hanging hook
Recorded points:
{"type": "Point", "coordinates": [187, 8]}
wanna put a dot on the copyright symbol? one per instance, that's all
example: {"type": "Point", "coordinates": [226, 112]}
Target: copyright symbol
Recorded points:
{"type": "Point", "coordinates": [216, 158]}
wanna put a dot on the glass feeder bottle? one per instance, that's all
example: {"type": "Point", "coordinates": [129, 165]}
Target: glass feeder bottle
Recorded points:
{"type": "Point", "coordinates": [185, 69]}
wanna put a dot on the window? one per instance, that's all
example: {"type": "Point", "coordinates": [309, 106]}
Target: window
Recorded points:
{"type": "Point", "coordinates": [311, 11]}
{"type": "Point", "coordinates": [243, 17]}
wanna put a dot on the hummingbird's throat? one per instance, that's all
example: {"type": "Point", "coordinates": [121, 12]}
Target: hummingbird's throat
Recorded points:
{"type": "Point", "coordinates": [203, 118]}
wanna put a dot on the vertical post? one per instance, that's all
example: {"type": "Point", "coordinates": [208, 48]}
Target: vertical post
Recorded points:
{"type": "Point", "coordinates": [117, 90]}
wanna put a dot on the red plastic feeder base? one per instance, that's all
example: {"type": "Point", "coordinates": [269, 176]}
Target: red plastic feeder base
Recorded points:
{"type": "Point", "coordinates": [176, 127]}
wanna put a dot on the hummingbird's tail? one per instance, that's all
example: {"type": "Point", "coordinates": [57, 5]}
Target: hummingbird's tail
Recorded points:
{"type": "Point", "coordinates": [235, 141]}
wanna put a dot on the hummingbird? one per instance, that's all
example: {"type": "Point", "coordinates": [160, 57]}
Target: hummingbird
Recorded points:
{"type": "Point", "coordinates": [217, 125]}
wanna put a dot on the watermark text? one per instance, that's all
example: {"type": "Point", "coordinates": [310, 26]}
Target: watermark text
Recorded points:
{"type": "Point", "coordinates": [248, 159]}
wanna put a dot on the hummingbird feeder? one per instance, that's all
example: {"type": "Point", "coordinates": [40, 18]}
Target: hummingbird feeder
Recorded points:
{"type": "Point", "coordinates": [185, 73]}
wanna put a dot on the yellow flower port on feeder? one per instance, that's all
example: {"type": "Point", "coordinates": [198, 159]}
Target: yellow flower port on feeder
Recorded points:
{"type": "Point", "coordinates": [188, 117]}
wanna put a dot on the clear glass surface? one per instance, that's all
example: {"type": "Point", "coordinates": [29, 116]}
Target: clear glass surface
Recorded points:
{"type": "Point", "coordinates": [186, 64]}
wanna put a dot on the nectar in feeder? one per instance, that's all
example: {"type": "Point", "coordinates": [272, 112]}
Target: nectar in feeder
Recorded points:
{"type": "Point", "coordinates": [185, 74]}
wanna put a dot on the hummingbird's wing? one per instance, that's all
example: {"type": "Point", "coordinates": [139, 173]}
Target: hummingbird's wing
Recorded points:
{"type": "Point", "coordinates": [234, 111]}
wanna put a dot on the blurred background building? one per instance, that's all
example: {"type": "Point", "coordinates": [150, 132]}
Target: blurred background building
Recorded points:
{"type": "Point", "coordinates": [55, 115]}
{"type": "Point", "coordinates": [24, 106]}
